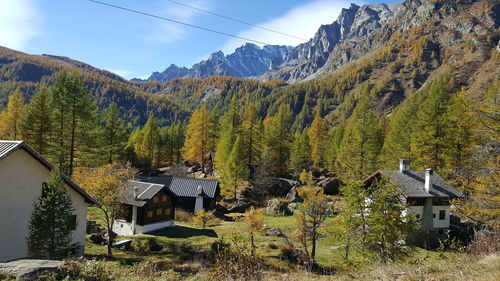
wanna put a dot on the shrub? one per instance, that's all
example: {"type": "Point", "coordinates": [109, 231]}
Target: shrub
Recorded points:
{"type": "Point", "coordinates": [6, 276]}
{"type": "Point", "coordinates": [236, 263]}
{"type": "Point", "coordinates": [272, 245]}
{"type": "Point", "coordinates": [204, 218]}
{"type": "Point", "coordinates": [87, 271]}
{"type": "Point", "coordinates": [183, 216]}
{"type": "Point", "coordinates": [484, 243]}
{"type": "Point", "coordinates": [145, 245]}
{"type": "Point", "coordinates": [148, 270]}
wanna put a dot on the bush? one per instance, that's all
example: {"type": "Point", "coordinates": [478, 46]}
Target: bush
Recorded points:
{"type": "Point", "coordinates": [145, 245]}
{"type": "Point", "coordinates": [484, 243]}
{"type": "Point", "coordinates": [6, 276]}
{"type": "Point", "coordinates": [148, 270]}
{"type": "Point", "coordinates": [236, 263]}
{"type": "Point", "coordinates": [272, 245]}
{"type": "Point", "coordinates": [87, 271]}
{"type": "Point", "coordinates": [183, 216]}
{"type": "Point", "coordinates": [204, 218]}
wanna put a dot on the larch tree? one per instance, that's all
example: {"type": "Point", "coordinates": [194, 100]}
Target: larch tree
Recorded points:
{"type": "Point", "coordinates": [11, 119]}
{"type": "Point", "coordinates": [107, 185]}
{"type": "Point", "coordinates": [333, 145]}
{"type": "Point", "coordinates": [300, 153]}
{"type": "Point", "coordinates": [317, 134]}
{"type": "Point", "coordinates": [114, 133]}
{"type": "Point", "coordinates": [252, 134]}
{"type": "Point", "coordinates": [37, 123]}
{"type": "Point", "coordinates": [52, 222]}
{"type": "Point", "coordinates": [254, 218]}
{"type": "Point", "coordinates": [361, 143]}
{"type": "Point", "coordinates": [230, 129]}
{"type": "Point", "coordinates": [196, 145]}
{"type": "Point", "coordinates": [150, 142]}
{"type": "Point", "coordinates": [236, 169]}
{"type": "Point", "coordinates": [277, 141]}
{"type": "Point", "coordinates": [74, 116]}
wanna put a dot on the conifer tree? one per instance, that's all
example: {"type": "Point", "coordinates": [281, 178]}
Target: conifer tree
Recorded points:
{"type": "Point", "coordinates": [196, 145]}
{"type": "Point", "coordinates": [74, 119]}
{"type": "Point", "coordinates": [360, 144]}
{"type": "Point", "coordinates": [251, 134]}
{"type": "Point", "coordinates": [277, 140]}
{"type": "Point", "coordinates": [300, 153]}
{"type": "Point", "coordinates": [230, 130]}
{"type": "Point", "coordinates": [429, 137]}
{"type": "Point", "coordinates": [11, 119]}
{"type": "Point", "coordinates": [150, 142]}
{"type": "Point", "coordinates": [333, 145]}
{"type": "Point", "coordinates": [52, 222]}
{"type": "Point", "coordinates": [317, 138]}
{"type": "Point", "coordinates": [176, 142]}
{"type": "Point", "coordinates": [114, 133]}
{"type": "Point", "coordinates": [37, 123]}
{"type": "Point", "coordinates": [236, 169]}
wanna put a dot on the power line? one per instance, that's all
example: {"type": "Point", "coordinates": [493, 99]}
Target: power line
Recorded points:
{"type": "Point", "coordinates": [179, 22]}
{"type": "Point", "coordinates": [236, 20]}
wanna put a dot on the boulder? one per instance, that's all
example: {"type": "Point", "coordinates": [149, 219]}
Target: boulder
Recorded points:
{"type": "Point", "coordinates": [292, 195]}
{"type": "Point", "coordinates": [276, 206]}
{"type": "Point", "coordinates": [221, 209]}
{"type": "Point", "coordinates": [97, 238]}
{"type": "Point", "coordinates": [26, 269]}
{"type": "Point", "coordinates": [193, 169]}
{"type": "Point", "coordinates": [331, 186]}
{"type": "Point", "coordinates": [275, 231]}
{"type": "Point", "coordinates": [239, 207]}
{"type": "Point", "coordinates": [281, 186]}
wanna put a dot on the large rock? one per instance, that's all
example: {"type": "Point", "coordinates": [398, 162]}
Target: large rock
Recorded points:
{"type": "Point", "coordinates": [281, 186]}
{"type": "Point", "coordinates": [26, 269]}
{"type": "Point", "coordinates": [221, 209]}
{"type": "Point", "coordinates": [331, 186]}
{"type": "Point", "coordinates": [239, 207]}
{"type": "Point", "coordinates": [276, 206]}
{"type": "Point", "coordinates": [275, 231]}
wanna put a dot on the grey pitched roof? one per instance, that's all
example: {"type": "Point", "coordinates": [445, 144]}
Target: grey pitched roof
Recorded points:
{"type": "Point", "coordinates": [412, 184]}
{"type": "Point", "coordinates": [7, 147]}
{"type": "Point", "coordinates": [144, 192]}
{"type": "Point", "coordinates": [187, 187]}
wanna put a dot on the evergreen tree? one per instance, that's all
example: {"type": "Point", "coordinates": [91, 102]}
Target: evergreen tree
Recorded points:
{"type": "Point", "coordinates": [52, 222]}
{"type": "Point", "coordinates": [151, 142]}
{"type": "Point", "coordinates": [300, 153]}
{"type": "Point", "coordinates": [37, 124]}
{"type": "Point", "coordinates": [114, 133]}
{"type": "Point", "coordinates": [277, 140]}
{"type": "Point", "coordinates": [333, 145]}
{"type": "Point", "coordinates": [317, 138]}
{"type": "Point", "coordinates": [11, 119]}
{"type": "Point", "coordinates": [236, 169]}
{"type": "Point", "coordinates": [360, 144]}
{"type": "Point", "coordinates": [196, 145]}
{"type": "Point", "coordinates": [230, 130]}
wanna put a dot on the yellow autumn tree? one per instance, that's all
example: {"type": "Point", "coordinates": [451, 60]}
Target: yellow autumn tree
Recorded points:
{"type": "Point", "coordinates": [317, 134]}
{"type": "Point", "coordinates": [254, 218]}
{"type": "Point", "coordinates": [10, 119]}
{"type": "Point", "coordinates": [107, 185]}
{"type": "Point", "coordinates": [197, 143]}
{"type": "Point", "coordinates": [204, 218]}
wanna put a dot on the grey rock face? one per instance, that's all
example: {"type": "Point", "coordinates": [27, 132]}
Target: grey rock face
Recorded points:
{"type": "Point", "coordinates": [27, 269]}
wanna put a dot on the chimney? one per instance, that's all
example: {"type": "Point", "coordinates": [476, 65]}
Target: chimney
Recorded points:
{"type": "Point", "coordinates": [199, 190]}
{"type": "Point", "coordinates": [428, 180]}
{"type": "Point", "coordinates": [135, 192]}
{"type": "Point", "coordinates": [404, 165]}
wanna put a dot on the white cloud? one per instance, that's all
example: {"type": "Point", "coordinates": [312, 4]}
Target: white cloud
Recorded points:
{"type": "Point", "coordinates": [170, 31]}
{"type": "Point", "coordinates": [302, 21]}
{"type": "Point", "coordinates": [19, 23]}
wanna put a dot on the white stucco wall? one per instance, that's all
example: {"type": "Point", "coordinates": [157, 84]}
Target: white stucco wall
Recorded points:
{"type": "Point", "coordinates": [21, 178]}
{"type": "Point", "coordinates": [436, 222]}
{"type": "Point", "coordinates": [124, 228]}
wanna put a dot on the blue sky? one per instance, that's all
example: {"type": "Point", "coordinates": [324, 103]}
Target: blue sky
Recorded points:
{"type": "Point", "coordinates": [134, 45]}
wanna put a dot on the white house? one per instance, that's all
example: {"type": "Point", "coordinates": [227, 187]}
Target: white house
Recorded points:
{"type": "Point", "coordinates": [22, 173]}
{"type": "Point", "coordinates": [427, 194]}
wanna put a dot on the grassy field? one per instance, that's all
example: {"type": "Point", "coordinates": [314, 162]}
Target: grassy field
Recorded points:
{"type": "Point", "coordinates": [183, 244]}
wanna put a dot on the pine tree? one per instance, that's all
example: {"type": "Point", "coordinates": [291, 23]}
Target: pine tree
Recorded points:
{"type": "Point", "coordinates": [360, 145]}
{"type": "Point", "coordinates": [11, 119]}
{"type": "Point", "coordinates": [52, 222]}
{"type": "Point", "coordinates": [317, 138]}
{"type": "Point", "coordinates": [277, 140]}
{"type": "Point", "coordinates": [150, 142]}
{"type": "Point", "coordinates": [333, 145]}
{"type": "Point", "coordinates": [114, 133]}
{"type": "Point", "coordinates": [196, 145]}
{"type": "Point", "coordinates": [236, 169]}
{"type": "Point", "coordinates": [37, 123]}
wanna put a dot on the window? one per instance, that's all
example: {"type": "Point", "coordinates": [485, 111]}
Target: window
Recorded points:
{"type": "Point", "coordinates": [167, 212]}
{"type": "Point", "coordinates": [155, 199]}
{"type": "Point", "coordinates": [433, 216]}
{"type": "Point", "coordinates": [164, 198]}
{"type": "Point", "coordinates": [71, 222]}
{"type": "Point", "coordinates": [149, 214]}
{"type": "Point", "coordinates": [418, 216]}
{"type": "Point", "coordinates": [159, 211]}
{"type": "Point", "coordinates": [442, 214]}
